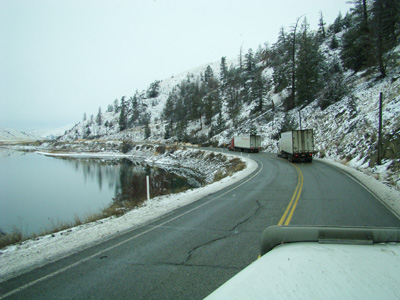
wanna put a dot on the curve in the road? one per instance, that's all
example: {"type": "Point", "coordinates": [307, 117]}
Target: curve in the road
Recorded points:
{"type": "Point", "coordinates": [193, 250]}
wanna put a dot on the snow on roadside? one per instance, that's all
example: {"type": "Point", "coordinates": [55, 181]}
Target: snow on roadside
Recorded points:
{"type": "Point", "coordinates": [30, 254]}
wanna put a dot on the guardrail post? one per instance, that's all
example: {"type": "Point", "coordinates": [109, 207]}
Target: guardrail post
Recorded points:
{"type": "Point", "coordinates": [148, 187]}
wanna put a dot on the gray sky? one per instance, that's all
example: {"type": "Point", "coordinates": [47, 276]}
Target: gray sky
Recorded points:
{"type": "Point", "coordinates": [62, 58]}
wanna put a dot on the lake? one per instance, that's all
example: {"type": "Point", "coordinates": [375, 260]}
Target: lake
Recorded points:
{"type": "Point", "coordinates": [38, 192]}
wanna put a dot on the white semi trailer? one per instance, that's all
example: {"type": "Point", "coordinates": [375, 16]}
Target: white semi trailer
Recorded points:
{"type": "Point", "coordinates": [248, 143]}
{"type": "Point", "coordinates": [297, 145]}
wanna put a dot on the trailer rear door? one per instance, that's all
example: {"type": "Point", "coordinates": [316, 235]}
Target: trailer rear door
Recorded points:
{"type": "Point", "coordinates": [303, 141]}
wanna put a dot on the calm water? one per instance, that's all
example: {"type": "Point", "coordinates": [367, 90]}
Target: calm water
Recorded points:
{"type": "Point", "coordinates": [37, 192]}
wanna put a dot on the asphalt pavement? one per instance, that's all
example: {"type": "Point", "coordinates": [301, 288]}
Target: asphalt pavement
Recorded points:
{"type": "Point", "coordinates": [190, 252]}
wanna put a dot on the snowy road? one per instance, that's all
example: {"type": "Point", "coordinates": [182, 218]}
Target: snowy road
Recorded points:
{"type": "Point", "coordinates": [191, 251]}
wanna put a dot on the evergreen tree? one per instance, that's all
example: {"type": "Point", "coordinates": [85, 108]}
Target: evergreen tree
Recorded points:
{"type": "Point", "coordinates": [167, 132]}
{"type": "Point", "coordinates": [240, 59]}
{"type": "Point", "coordinates": [116, 107]}
{"type": "Point", "coordinates": [134, 119]}
{"type": "Point", "coordinates": [99, 117]}
{"type": "Point", "coordinates": [338, 23]}
{"type": "Point", "coordinates": [169, 109]}
{"type": "Point", "coordinates": [321, 28]}
{"type": "Point", "coordinates": [209, 108]}
{"type": "Point", "coordinates": [249, 75]}
{"type": "Point", "coordinates": [290, 101]}
{"type": "Point", "coordinates": [280, 62]}
{"type": "Point", "coordinates": [250, 64]}
{"type": "Point", "coordinates": [147, 131]}
{"type": "Point", "coordinates": [385, 25]}
{"type": "Point", "coordinates": [154, 89]}
{"type": "Point", "coordinates": [233, 103]}
{"type": "Point", "coordinates": [259, 89]}
{"type": "Point", "coordinates": [123, 115]}
{"type": "Point", "coordinates": [223, 71]}
{"type": "Point", "coordinates": [356, 47]}
{"type": "Point", "coordinates": [335, 87]}
{"type": "Point", "coordinates": [334, 44]}
{"type": "Point", "coordinates": [208, 74]}
{"type": "Point", "coordinates": [308, 66]}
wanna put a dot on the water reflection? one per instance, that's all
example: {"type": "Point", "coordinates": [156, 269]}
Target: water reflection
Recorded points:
{"type": "Point", "coordinates": [37, 192]}
{"type": "Point", "coordinates": [161, 182]}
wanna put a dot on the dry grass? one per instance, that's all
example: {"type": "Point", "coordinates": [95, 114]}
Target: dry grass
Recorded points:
{"type": "Point", "coordinates": [10, 238]}
{"type": "Point", "coordinates": [219, 175]}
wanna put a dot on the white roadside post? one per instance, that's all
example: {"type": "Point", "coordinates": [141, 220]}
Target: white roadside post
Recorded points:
{"type": "Point", "coordinates": [148, 187]}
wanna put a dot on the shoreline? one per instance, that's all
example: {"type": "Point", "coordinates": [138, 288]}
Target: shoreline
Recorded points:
{"type": "Point", "coordinates": [20, 258]}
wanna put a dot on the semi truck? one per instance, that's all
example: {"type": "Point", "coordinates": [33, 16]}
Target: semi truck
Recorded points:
{"type": "Point", "coordinates": [248, 143]}
{"type": "Point", "coordinates": [297, 145]}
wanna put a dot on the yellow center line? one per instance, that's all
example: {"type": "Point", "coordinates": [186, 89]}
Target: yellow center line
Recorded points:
{"type": "Point", "coordinates": [293, 203]}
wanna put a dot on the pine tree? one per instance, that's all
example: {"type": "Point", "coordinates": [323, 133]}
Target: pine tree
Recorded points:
{"type": "Point", "coordinates": [385, 29]}
{"type": "Point", "coordinates": [123, 116]}
{"type": "Point", "coordinates": [154, 89]}
{"type": "Point", "coordinates": [167, 132]}
{"type": "Point", "coordinates": [147, 131]}
{"type": "Point", "coordinates": [290, 102]}
{"type": "Point", "coordinates": [308, 66]}
{"type": "Point", "coordinates": [134, 119]}
{"type": "Point", "coordinates": [116, 107]}
{"type": "Point", "coordinates": [250, 64]}
{"type": "Point", "coordinates": [223, 71]}
{"type": "Point", "coordinates": [260, 87]}
{"type": "Point", "coordinates": [280, 62]}
{"type": "Point", "coordinates": [209, 108]}
{"type": "Point", "coordinates": [338, 23]}
{"type": "Point", "coordinates": [321, 29]}
{"type": "Point", "coordinates": [99, 117]}
{"type": "Point", "coordinates": [356, 47]}
{"type": "Point", "coordinates": [334, 44]}
{"type": "Point", "coordinates": [335, 87]}
{"type": "Point", "coordinates": [208, 74]}
{"type": "Point", "coordinates": [240, 59]}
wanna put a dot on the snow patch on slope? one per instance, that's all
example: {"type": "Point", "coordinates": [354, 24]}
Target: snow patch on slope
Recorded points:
{"type": "Point", "coordinates": [14, 135]}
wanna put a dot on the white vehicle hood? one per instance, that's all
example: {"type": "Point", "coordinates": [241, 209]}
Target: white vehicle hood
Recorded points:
{"type": "Point", "coordinates": [311, 270]}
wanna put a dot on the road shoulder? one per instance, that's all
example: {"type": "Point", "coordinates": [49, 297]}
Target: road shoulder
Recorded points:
{"type": "Point", "coordinates": [388, 196]}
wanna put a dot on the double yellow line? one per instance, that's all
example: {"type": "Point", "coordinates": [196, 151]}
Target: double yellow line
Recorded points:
{"type": "Point", "coordinates": [287, 216]}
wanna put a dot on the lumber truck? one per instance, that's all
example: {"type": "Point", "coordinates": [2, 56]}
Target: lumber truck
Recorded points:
{"type": "Point", "coordinates": [296, 145]}
{"type": "Point", "coordinates": [248, 143]}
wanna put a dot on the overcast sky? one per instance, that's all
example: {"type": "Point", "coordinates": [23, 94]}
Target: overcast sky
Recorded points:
{"type": "Point", "coordinates": [62, 58]}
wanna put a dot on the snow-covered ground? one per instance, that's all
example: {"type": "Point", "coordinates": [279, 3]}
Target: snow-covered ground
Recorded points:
{"type": "Point", "coordinates": [33, 253]}
{"type": "Point", "coordinates": [14, 135]}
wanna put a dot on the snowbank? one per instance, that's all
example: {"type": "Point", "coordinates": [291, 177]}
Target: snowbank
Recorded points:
{"type": "Point", "coordinates": [30, 254]}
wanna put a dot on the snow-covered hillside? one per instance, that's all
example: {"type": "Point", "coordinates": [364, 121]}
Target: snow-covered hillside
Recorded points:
{"type": "Point", "coordinates": [153, 107]}
{"type": "Point", "coordinates": [14, 135]}
{"type": "Point", "coordinates": [346, 131]}
{"type": "Point", "coordinates": [51, 134]}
